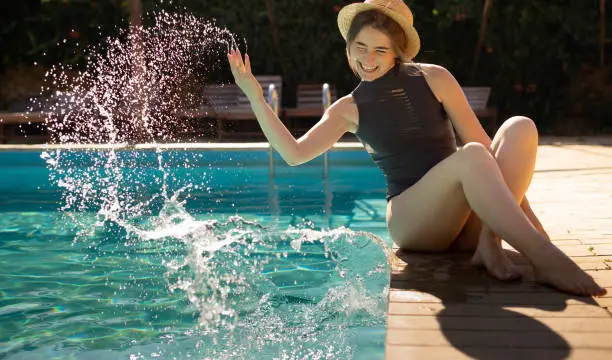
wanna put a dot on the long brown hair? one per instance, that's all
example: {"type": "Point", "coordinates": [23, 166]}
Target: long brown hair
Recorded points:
{"type": "Point", "coordinates": [380, 22]}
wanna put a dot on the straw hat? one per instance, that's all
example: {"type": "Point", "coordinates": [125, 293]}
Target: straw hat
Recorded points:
{"type": "Point", "coordinates": [395, 9]}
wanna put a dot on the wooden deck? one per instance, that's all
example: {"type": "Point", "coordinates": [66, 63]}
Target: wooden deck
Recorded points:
{"type": "Point", "coordinates": [442, 308]}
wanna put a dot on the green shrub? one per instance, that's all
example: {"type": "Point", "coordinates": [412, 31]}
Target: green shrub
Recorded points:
{"type": "Point", "coordinates": [532, 55]}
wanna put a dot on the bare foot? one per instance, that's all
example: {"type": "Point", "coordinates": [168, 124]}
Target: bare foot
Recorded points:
{"type": "Point", "coordinates": [490, 254]}
{"type": "Point", "coordinates": [552, 267]}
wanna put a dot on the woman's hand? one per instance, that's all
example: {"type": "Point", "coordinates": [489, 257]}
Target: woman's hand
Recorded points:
{"type": "Point", "coordinates": [243, 76]}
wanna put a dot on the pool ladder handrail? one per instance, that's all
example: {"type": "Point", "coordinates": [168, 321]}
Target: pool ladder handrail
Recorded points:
{"type": "Point", "coordinates": [272, 101]}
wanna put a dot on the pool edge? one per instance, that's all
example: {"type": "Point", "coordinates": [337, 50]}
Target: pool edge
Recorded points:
{"type": "Point", "coordinates": [169, 146]}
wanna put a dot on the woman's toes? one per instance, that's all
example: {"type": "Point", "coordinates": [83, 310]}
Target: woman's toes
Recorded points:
{"type": "Point", "coordinates": [506, 272]}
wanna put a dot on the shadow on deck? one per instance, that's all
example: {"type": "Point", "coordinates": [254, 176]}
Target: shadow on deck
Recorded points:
{"type": "Point", "coordinates": [441, 307]}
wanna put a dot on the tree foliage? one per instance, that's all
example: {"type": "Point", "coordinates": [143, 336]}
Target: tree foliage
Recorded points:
{"type": "Point", "coordinates": [534, 55]}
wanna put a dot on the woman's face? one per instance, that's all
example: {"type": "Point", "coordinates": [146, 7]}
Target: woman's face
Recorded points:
{"type": "Point", "coordinates": [371, 54]}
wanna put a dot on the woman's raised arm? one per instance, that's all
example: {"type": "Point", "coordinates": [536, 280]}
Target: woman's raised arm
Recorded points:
{"type": "Point", "coordinates": [318, 139]}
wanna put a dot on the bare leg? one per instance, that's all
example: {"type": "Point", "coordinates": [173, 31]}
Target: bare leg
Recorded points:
{"type": "Point", "coordinates": [514, 148]}
{"type": "Point", "coordinates": [490, 254]}
{"type": "Point", "coordinates": [432, 212]}
{"type": "Point", "coordinates": [533, 218]}
{"type": "Point", "coordinates": [507, 219]}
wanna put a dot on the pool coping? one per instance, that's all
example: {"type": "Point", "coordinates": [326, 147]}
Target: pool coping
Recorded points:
{"type": "Point", "coordinates": [339, 146]}
{"type": "Point", "coordinates": [589, 140]}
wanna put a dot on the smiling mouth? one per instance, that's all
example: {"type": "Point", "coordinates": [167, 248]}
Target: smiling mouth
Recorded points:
{"type": "Point", "coordinates": [367, 69]}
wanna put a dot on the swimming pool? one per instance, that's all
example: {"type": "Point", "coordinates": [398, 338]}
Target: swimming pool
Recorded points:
{"type": "Point", "coordinates": [190, 254]}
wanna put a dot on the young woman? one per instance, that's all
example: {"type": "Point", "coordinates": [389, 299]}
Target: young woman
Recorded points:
{"type": "Point", "coordinates": [404, 114]}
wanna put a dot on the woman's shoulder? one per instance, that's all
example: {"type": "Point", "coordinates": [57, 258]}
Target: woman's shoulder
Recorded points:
{"type": "Point", "coordinates": [346, 99]}
{"type": "Point", "coordinates": [437, 77]}
{"type": "Point", "coordinates": [432, 71]}
{"type": "Point", "coordinates": [343, 105]}
{"type": "Point", "coordinates": [345, 108]}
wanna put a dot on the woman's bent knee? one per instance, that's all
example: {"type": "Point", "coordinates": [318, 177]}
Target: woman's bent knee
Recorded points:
{"type": "Point", "coordinates": [474, 151]}
{"type": "Point", "coordinates": [474, 147]}
{"type": "Point", "coordinates": [520, 128]}
{"type": "Point", "coordinates": [475, 158]}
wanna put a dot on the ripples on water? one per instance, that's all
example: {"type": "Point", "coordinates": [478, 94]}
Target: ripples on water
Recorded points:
{"type": "Point", "coordinates": [123, 266]}
{"type": "Point", "coordinates": [175, 286]}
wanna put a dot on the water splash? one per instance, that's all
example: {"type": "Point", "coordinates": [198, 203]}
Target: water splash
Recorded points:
{"type": "Point", "coordinates": [256, 291]}
{"type": "Point", "coordinates": [136, 90]}
{"type": "Point", "coordinates": [133, 90]}
{"type": "Point", "coordinates": [263, 292]}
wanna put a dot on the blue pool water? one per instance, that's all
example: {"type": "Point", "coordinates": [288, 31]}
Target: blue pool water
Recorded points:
{"type": "Point", "coordinates": [200, 254]}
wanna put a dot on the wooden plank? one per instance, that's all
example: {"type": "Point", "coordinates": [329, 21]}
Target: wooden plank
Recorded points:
{"type": "Point", "coordinates": [603, 278]}
{"type": "Point", "coordinates": [21, 118]}
{"type": "Point", "coordinates": [460, 292]}
{"type": "Point", "coordinates": [555, 299]}
{"type": "Point", "coordinates": [486, 310]}
{"type": "Point", "coordinates": [557, 324]}
{"type": "Point", "coordinates": [457, 289]}
{"type": "Point", "coordinates": [576, 250]}
{"type": "Point", "coordinates": [309, 101]}
{"type": "Point", "coordinates": [303, 112]}
{"type": "Point", "coordinates": [477, 97]}
{"type": "Point", "coordinates": [594, 265]}
{"type": "Point", "coordinates": [457, 260]}
{"type": "Point", "coordinates": [607, 240]}
{"type": "Point", "coordinates": [605, 302]}
{"type": "Point", "coordinates": [228, 103]}
{"type": "Point", "coordinates": [450, 311]}
{"type": "Point", "coordinates": [602, 249]}
{"type": "Point", "coordinates": [500, 339]}
{"type": "Point", "coordinates": [559, 242]}
{"type": "Point", "coordinates": [448, 352]}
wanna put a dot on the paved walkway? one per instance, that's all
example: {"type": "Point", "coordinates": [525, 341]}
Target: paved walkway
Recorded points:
{"type": "Point", "coordinates": [441, 308]}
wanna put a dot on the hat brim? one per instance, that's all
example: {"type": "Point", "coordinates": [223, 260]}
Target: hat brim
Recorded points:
{"type": "Point", "coordinates": [348, 13]}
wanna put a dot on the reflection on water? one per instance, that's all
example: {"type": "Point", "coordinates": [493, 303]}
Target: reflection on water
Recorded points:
{"type": "Point", "coordinates": [175, 254]}
{"type": "Point", "coordinates": [179, 275]}
{"type": "Point", "coordinates": [200, 287]}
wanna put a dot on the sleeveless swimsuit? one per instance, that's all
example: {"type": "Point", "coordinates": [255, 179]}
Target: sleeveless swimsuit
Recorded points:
{"type": "Point", "coordinates": [403, 126]}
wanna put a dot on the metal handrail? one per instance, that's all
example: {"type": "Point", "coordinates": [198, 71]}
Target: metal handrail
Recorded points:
{"type": "Point", "coordinates": [272, 100]}
{"type": "Point", "coordinates": [326, 100]}
{"type": "Point", "coordinates": [326, 103]}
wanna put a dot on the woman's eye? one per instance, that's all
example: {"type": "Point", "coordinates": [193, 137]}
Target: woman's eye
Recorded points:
{"type": "Point", "coordinates": [381, 52]}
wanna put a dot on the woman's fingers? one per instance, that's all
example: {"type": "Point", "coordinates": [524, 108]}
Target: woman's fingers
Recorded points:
{"type": "Point", "coordinates": [235, 59]}
{"type": "Point", "coordinates": [237, 66]}
{"type": "Point", "coordinates": [241, 66]}
{"type": "Point", "coordinates": [232, 63]}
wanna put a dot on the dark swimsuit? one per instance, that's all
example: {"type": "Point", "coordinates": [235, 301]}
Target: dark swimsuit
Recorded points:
{"type": "Point", "coordinates": [403, 126]}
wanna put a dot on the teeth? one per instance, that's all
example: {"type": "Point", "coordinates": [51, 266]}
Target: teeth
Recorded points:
{"type": "Point", "coordinates": [366, 68]}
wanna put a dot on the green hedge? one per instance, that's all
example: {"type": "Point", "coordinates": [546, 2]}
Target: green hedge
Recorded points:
{"type": "Point", "coordinates": [535, 55]}
{"type": "Point", "coordinates": [539, 56]}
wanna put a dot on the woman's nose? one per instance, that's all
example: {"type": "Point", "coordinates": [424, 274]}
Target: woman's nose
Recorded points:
{"type": "Point", "coordinates": [370, 57]}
